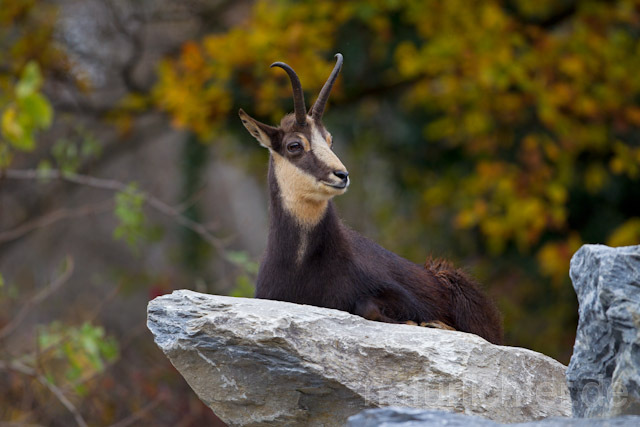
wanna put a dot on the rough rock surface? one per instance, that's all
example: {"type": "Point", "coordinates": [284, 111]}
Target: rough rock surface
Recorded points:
{"type": "Point", "coordinates": [268, 362]}
{"type": "Point", "coordinates": [604, 373]}
{"type": "Point", "coordinates": [407, 417]}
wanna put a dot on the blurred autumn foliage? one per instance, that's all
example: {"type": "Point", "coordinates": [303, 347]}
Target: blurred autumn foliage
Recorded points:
{"type": "Point", "coordinates": [513, 124]}
{"type": "Point", "coordinates": [502, 134]}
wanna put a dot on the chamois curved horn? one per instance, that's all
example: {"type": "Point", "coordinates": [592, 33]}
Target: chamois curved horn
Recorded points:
{"type": "Point", "coordinates": [298, 97]}
{"type": "Point", "coordinates": [321, 102]}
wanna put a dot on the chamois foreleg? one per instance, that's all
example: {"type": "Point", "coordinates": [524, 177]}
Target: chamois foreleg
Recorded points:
{"type": "Point", "coordinates": [368, 309]}
{"type": "Point", "coordinates": [391, 303]}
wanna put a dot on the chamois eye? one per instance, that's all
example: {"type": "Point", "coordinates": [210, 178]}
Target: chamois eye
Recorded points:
{"type": "Point", "coordinates": [294, 147]}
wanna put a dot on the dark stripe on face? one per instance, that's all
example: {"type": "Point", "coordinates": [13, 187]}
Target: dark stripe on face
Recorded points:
{"type": "Point", "coordinates": [311, 164]}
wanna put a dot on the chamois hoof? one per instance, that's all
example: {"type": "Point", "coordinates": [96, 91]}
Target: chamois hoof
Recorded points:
{"type": "Point", "coordinates": [437, 325]}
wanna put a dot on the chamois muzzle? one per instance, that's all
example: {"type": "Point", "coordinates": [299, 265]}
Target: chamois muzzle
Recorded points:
{"type": "Point", "coordinates": [343, 175]}
{"type": "Point", "coordinates": [344, 180]}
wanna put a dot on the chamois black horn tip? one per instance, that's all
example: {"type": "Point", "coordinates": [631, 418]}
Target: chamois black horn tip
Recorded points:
{"type": "Point", "coordinates": [298, 95]}
{"type": "Point", "coordinates": [339, 60]}
{"type": "Point", "coordinates": [318, 108]}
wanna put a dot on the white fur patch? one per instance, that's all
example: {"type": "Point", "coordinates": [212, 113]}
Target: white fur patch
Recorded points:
{"type": "Point", "coordinates": [323, 152]}
{"type": "Point", "coordinates": [303, 195]}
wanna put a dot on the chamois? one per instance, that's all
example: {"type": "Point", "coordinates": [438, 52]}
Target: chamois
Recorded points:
{"type": "Point", "coordinates": [313, 258]}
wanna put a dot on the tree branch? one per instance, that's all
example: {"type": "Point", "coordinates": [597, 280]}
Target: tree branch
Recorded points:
{"type": "Point", "coordinates": [113, 185]}
{"type": "Point", "coordinates": [134, 37]}
{"type": "Point", "coordinates": [136, 416]}
{"type": "Point", "coordinates": [52, 218]}
{"type": "Point", "coordinates": [38, 298]}
{"type": "Point", "coordinates": [26, 370]}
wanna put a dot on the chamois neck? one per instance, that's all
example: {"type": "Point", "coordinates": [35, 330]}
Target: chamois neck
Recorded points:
{"type": "Point", "coordinates": [292, 239]}
{"type": "Point", "coordinates": [286, 195]}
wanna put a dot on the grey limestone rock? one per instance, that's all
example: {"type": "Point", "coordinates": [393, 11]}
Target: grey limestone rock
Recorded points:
{"type": "Point", "coordinates": [604, 373]}
{"type": "Point", "coordinates": [259, 362]}
{"type": "Point", "coordinates": [407, 417]}
{"type": "Point", "coordinates": [411, 417]}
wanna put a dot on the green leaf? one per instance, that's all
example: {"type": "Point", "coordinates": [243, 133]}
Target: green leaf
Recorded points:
{"type": "Point", "coordinates": [81, 390]}
{"type": "Point", "coordinates": [44, 165]}
{"type": "Point", "coordinates": [132, 227]}
{"type": "Point", "coordinates": [38, 109]}
{"type": "Point", "coordinates": [65, 153]}
{"type": "Point", "coordinates": [242, 260]}
{"type": "Point", "coordinates": [26, 142]}
{"type": "Point", "coordinates": [109, 349]}
{"type": "Point", "coordinates": [30, 81]}
{"type": "Point", "coordinates": [27, 113]}
{"type": "Point", "coordinates": [90, 146]}
{"type": "Point", "coordinates": [79, 350]}
{"type": "Point", "coordinates": [244, 287]}
{"type": "Point", "coordinates": [238, 257]}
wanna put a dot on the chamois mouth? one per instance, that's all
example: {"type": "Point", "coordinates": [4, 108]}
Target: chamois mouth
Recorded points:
{"type": "Point", "coordinates": [340, 186]}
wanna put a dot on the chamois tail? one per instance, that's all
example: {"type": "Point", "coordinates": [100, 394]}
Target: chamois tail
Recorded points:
{"type": "Point", "coordinates": [470, 310]}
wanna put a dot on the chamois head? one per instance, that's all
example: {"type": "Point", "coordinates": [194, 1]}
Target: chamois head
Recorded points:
{"type": "Point", "coordinates": [307, 171]}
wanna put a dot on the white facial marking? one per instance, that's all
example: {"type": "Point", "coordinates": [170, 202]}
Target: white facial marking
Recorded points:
{"type": "Point", "coordinates": [305, 142]}
{"type": "Point", "coordinates": [303, 195]}
{"type": "Point", "coordinates": [323, 152]}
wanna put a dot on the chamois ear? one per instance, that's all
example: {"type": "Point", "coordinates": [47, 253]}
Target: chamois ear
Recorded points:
{"type": "Point", "coordinates": [266, 135]}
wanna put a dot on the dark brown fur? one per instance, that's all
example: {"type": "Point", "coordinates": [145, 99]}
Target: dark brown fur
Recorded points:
{"type": "Point", "coordinates": [342, 269]}
{"type": "Point", "coordinates": [313, 258]}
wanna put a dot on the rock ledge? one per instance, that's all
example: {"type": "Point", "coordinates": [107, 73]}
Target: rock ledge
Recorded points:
{"type": "Point", "coordinates": [269, 362]}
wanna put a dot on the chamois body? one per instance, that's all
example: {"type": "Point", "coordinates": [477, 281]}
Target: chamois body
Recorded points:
{"type": "Point", "coordinates": [313, 258]}
{"type": "Point", "coordinates": [339, 268]}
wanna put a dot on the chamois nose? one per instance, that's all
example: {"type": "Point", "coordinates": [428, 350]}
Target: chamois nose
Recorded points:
{"type": "Point", "coordinates": [343, 175]}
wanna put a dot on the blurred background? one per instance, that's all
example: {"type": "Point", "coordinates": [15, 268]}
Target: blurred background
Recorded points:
{"type": "Point", "coordinates": [501, 134]}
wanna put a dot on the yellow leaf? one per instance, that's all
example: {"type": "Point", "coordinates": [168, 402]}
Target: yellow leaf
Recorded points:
{"type": "Point", "coordinates": [554, 257]}
{"type": "Point", "coordinates": [627, 234]}
{"type": "Point", "coordinates": [11, 128]}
